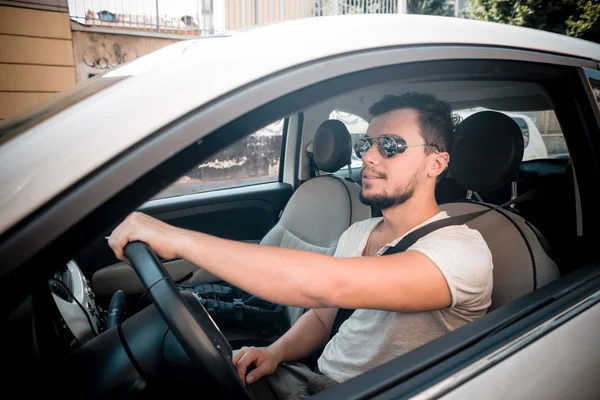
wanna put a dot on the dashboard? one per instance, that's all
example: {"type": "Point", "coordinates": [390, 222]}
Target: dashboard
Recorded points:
{"type": "Point", "coordinates": [78, 318]}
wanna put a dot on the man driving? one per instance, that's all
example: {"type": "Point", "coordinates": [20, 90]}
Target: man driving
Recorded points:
{"type": "Point", "coordinates": [402, 300]}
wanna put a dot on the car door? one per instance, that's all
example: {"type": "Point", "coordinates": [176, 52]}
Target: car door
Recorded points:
{"type": "Point", "coordinates": [236, 194]}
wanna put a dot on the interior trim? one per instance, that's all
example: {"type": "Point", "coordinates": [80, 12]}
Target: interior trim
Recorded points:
{"type": "Point", "coordinates": [284, 136]}
{"type": "Point", "coordinates": [207, 208]}
{"type": "Point", "coordinates": [298, 150]}
{"type": "Point", "coordinates": [196, 200]}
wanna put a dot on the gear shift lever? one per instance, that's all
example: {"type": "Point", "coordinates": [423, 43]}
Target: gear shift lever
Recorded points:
{"type": "Point", "coordinates": [116, 310]}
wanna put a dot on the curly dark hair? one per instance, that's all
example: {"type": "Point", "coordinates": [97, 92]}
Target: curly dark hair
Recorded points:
{"type": "Point", "coordinates": [436, 120]}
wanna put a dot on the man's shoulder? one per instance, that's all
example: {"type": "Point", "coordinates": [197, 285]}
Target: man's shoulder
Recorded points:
{"type": "Point", "coordinates": [458, 239]}
{"type": "Point", "coordinates": [461, 231]}
{"type": "Point", "coordinates": [464, 258]}
{"type": "Point", "coordinates": [457, 234]}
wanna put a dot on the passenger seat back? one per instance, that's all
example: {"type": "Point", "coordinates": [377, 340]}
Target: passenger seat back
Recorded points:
{"type": "Point", "coordinates": [323, 207]}
{"type": "Point", "coordinates": [487, 157]}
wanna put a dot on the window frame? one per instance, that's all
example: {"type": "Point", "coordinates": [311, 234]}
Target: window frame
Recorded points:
{"type": "Point", "coordinates": [276, 179]}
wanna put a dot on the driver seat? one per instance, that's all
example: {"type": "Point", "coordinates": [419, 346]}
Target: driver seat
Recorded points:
{"type": "Point", "coordinates": [488, 153]}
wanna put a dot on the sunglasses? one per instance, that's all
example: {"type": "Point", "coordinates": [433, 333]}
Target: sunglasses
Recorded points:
{"type": "Point", "coordinates": [388, 145]}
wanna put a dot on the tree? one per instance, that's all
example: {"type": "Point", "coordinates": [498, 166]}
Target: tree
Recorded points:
{"type": "Point", "coordinates": [426, 7]}
{"type": "Point", "coordinates": [578, 18]}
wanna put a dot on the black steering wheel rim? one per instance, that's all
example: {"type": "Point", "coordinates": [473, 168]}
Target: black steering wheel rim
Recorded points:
{"type": "Point", "coordinates": [197, 333]}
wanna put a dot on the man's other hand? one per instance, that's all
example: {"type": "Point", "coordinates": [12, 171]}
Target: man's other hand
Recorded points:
{"type": "Point", "coordinates": [265, 363]}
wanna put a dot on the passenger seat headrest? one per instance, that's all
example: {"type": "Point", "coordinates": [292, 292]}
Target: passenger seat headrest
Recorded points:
{"type": "Point", "coordinates": [332, 146]}
{"type": "Point", "coordinates": [487, 153]}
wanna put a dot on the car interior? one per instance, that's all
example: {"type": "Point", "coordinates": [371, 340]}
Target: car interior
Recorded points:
{"type": "Point", "coordinates": [314, 198]}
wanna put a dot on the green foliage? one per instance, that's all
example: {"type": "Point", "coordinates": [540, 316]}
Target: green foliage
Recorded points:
{"type": "Point", "coordinates": [578, 18]}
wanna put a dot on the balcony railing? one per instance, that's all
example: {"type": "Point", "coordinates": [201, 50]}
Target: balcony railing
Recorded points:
{"type": "Point", "coordinates": [239, 14]}
{"type": "Point", "coordinates": [203, 17]}
{"type": "Point", "coordinates": [170, 17]}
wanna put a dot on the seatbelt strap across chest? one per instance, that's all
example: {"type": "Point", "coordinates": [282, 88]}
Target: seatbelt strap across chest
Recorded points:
{"type": "Point", "coordinates": [410, 239]}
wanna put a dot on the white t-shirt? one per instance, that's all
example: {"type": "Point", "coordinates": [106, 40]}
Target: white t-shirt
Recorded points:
{"type": "Point", "coordinates": [372, 337]}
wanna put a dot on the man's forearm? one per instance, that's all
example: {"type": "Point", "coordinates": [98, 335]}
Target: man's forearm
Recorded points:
{"type": "Point", "coordinates": [409, 281]}
{"type": "Point", "coordinates": [280, 275]}
{"type": "Point", "coordinates": [305, 336]}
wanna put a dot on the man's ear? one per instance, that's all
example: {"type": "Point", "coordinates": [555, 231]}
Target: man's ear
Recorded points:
{"type": "Point", "coordinates": [440, 164]}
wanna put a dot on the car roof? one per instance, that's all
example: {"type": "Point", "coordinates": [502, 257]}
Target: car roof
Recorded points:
{"type": "Point", "coordinates": [164, 85]}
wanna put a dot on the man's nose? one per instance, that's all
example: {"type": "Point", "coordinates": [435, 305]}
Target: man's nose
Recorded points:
{"type": "Point", "coordinates": [372, 155]}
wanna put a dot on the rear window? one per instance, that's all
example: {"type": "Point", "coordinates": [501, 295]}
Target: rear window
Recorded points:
{"type": "Point", "coordinates": [541, 131]}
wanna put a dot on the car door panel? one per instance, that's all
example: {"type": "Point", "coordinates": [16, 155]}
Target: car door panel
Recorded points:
{"type": "Point", "coordinates": [243, 214]}
{"type": "Point", "coordinates": [547, 368]}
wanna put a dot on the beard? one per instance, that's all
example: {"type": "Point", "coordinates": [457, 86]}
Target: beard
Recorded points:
{"type": "Point", "coordinates": [385, 200]}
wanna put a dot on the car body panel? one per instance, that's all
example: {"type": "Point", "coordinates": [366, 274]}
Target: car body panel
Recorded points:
{"type": "Point", "coordinates": [551, 367]}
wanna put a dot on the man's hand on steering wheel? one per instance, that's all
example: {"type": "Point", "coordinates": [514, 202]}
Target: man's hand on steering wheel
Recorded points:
{"type": "Point", "coordinates": [186, 317]}
{"type": "Point", "coordinates": [163, 238]}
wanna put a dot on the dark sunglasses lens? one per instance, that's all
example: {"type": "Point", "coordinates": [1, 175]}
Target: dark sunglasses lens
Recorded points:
{"type": "Point", "coordinates": [361, 147]}
{"type": "Point", "coordinates": [388, 146]}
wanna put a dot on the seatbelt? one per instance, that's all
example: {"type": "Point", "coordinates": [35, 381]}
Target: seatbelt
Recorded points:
{"type": "Point", "coordinates": [410, 239]}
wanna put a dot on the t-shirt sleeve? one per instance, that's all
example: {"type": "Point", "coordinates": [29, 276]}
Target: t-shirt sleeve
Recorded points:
{"type": "Point", "coordinates": [463, 257]}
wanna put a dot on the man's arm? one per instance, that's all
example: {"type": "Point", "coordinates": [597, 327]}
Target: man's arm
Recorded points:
{"type": "Point", "coordinates": [404, 282]}
{"type": "Point", "coordinates": [308, 334]}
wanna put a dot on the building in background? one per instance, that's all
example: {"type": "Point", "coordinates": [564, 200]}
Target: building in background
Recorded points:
{"type": "Point", "coordinates": [191, 18]}
{"type": "Point", "coordinates": [36, 53]}
{"type": "Point", "coordinates": [46, 46]}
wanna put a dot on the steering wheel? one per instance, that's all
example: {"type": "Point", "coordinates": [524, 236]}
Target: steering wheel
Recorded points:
{"type": "Point", "coordinates": [197, 333]}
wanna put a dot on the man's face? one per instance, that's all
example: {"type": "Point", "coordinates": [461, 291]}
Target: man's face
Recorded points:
{"type": "Point", "coordinates": [387, 182]}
